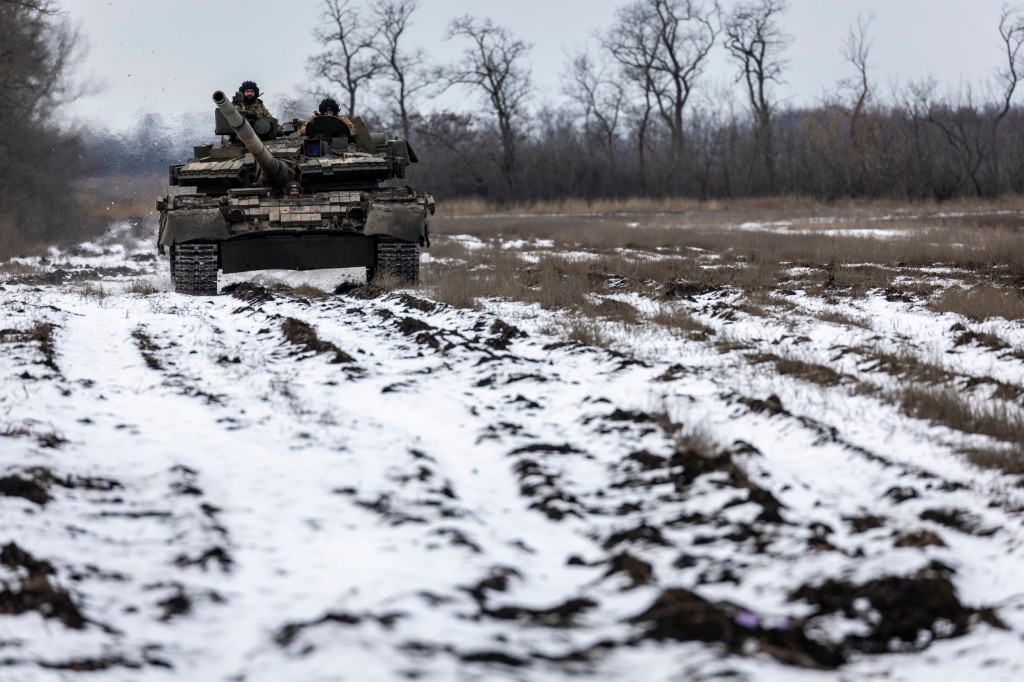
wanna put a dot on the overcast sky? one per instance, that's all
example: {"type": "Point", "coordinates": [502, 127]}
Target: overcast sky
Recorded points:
{"type": "Point", "coordinates": [170, 55]}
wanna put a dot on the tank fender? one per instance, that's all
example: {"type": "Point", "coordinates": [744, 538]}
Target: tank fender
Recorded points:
{"type": "Point", "coordinates": [184, 225]}
{"type": "Point", "coordinates": [402, 220]}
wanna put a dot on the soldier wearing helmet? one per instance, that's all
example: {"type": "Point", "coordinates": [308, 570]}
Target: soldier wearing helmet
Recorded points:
{"type": "Point", "coordinates": [247, 101]}
{"type": "Point", "coordinates": [329, 107]}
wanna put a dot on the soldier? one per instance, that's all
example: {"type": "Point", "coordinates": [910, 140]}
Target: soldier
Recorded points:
{"type": "Point", "coordinates": [249, 102]}
{"type": "Point", "coordinates": [329, 107]}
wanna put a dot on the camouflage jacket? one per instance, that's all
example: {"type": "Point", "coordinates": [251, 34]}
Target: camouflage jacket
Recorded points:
{"type": "Point", "coordinates": [344, 119]}
{"type": "Point", "coordinates": [256, 108]}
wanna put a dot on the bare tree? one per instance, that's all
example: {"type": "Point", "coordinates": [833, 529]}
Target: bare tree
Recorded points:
{"type": "Point", "coordinates": [600, 100]}
{"type": "Point", "coordinates": [407, 69]}
{"type": "Point", "coordinates": [755, 40]}
{"type": "Point", "coordinates": [41, 6]}
{"type": "Point", "coordinates": [663, 45]}
{"type": "Point", "coordinates": [351, 57]}
{"type": "Point", "coordinates": [1011, 31]}
{"type": "Point", "coordinates": [38, 51]}
{"type": "Point", "coordinates": [493, 64]}
{"type": "Point", "coordinates": [36, 54]}
{"type": "Point", "coordinates": [971, 135]}
{"type": "Point", "coordinates": [633, 43]}
{"type": "Point", "coordinates": [853, 96]}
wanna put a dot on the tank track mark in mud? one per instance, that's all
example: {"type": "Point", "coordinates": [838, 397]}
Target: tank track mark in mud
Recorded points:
{"type": "Point", "coordinates": [194, 268]}
{"type": "Point", "coordinates": [398, 258]}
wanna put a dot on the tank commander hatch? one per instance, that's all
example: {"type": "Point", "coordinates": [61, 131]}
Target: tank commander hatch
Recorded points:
{"type": "Point", "coordinates": [329, 107]}
{"type": "Point", "coordinates": [247, 101]}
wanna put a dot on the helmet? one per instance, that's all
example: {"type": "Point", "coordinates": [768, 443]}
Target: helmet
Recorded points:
{"type": "Point", "coordinates": [330, 104]}
{"type": "Point", "coordinates": [249, 85]}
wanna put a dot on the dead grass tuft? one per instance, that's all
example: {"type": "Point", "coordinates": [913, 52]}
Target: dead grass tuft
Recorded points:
{"type": "Point", "coordinates": [40, 333]}
{"type": "Point", "coordinates": [696, 439]}
{"type": "Point", "coordinates": [793, 367]}
{"type": "Point", "coordinates": [843, 320]}
{"type": "Point", "coordinates": [903, 364]}
{"type": "Point", "coordinates": [1008, 460]}
{"type": "Point", "coordinates": [91, 290]}
{"type": "Point", "coordinates": [141, 287]}
{"type": "Point", "coordinates": [387, 281]}
{"type": "Point", "coordinates": [588, 331]}
{"type": "Point", "coordinates": [947, 406]}
{"type": "Point", "coordinates": [612, 310]}
{"type": "Point", "coordinates": [147, 348]}
{"type": "Point", "coordinates": [681, 321]}
{"type": "Point", "coordinates": [458, 287]}
{"type": "Point", "coordinates": [981, 302]}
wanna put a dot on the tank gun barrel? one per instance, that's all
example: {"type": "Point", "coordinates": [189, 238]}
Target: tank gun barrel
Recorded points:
{"type": "Point", "coordinates": [273, 169]}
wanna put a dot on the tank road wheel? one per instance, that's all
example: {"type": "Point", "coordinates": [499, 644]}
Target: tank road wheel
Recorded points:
{"type": "Point", "coordinates": [398, 258]}
{"type": "Point", "coordinates": [194, 268]}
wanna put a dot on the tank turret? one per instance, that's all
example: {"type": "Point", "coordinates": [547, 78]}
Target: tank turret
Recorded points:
{"type": "Point", "coordinates": [275, 172]}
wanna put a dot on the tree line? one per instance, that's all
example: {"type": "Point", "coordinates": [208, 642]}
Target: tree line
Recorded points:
{"type": "Point", "coordinates": [640, 118]}
{"type": "Point", "coordinates": [639, 114]}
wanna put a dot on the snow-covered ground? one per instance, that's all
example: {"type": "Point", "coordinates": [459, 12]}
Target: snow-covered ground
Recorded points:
{"type": "Point", "coordinates": [373, 486]}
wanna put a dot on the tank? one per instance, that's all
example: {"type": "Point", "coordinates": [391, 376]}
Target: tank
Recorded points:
{"type": "Point", "coordinates": [295, 197]}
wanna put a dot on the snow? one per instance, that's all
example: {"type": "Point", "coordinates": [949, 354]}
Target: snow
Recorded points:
{"type": "Point", "coordinates": [277, 516]}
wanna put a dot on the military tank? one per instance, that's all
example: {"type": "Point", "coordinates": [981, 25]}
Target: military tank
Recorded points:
{"type": "Point", "coordinates": [293, 196]}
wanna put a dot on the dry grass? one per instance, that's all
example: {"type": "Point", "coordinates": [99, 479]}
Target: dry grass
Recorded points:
{"type": "Point", "coordinates": [141, 287]}
{"type": "Point", "coordinates": [976, 245]}
{"type": "Point", "coordinates": [612, 310]}
{"type": "Point", "coordinates": [981, 302]}
{"type": "Point", "coordinates": [799, 369]}
{"type": "Point", "coordinates": [903, 364]}
{"type": "Point", "coordinates": [948, 406]}
{"type": "Point", "coordinates": [696, 439]}
{"type": "Point", "coordinates": [93, 291]}
{"type": "Point", "coordinates": [457, 287]}
{"type": "Point", "coordinates": [680, 321]}
{"type": "Point", "coordinates": [588, 331]}
{"type": "Point", "coordinates": [40, 333]}
{"type": "Point", "coordinates": [388, 281]}
{"type": "Point", "coordinates": [1008, 459]}
{"type": "Point", "coordinates": [843, 320]}
{"type": "Point", "coordinates": [477, 206]}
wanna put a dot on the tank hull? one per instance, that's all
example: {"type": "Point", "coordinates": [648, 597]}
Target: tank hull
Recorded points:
{"type": "Point", "coordinates": [285, 250]}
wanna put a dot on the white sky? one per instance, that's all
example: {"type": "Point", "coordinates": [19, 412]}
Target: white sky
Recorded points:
{"type": "Point", "coordinates": [170, 55]}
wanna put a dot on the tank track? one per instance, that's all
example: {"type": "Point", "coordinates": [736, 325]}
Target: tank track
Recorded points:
{"type": "Point", "coordinates": [396, 257]}
{"type": "Point", "coordinates": [194, 269]}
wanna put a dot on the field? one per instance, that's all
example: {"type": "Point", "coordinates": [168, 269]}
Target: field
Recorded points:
{"type": "Point", "coordinates": [765, 441]}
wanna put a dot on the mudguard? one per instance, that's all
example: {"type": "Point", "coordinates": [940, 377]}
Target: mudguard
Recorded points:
{"type": "Point", "coordinates": [402, 220]}
{"type": "Point", "coordinates": [183, 225]}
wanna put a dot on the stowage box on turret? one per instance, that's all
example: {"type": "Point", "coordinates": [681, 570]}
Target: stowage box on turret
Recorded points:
{"type": "Point", "coordinates": [272, 197]}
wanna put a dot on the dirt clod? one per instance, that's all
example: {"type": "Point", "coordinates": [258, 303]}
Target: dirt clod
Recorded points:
{"type": "Point", "coordinates": [15, 486]}
{"type": "Point", "coordinates": [34, 590]}
{"type": "Point", "coordinates": [301, 334]}
{"type": "Point", "coordinates": [902, 609]}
